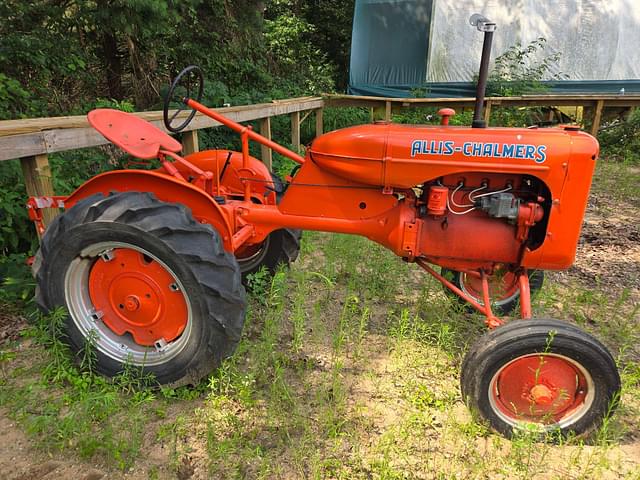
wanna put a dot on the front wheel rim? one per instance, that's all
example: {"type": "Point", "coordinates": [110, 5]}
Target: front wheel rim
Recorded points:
{"type": "Point", "coordinates": [544, 389]}
{"type": "Point", "coordinates": [148, 325]}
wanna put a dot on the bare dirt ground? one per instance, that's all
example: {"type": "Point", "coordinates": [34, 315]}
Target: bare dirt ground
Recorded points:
{"type": "Point", "coordinates": [608, 261]}
{"type": "Point", "coordinates": [608, 255]}
{"type": "Point", "coordinates": [11, 324]}
{"type": "Point", "coordinates": [20, 461]}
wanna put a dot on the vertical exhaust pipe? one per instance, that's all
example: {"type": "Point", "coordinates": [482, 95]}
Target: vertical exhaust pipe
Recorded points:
{"type": "Point", "coordinates": [483, 24]}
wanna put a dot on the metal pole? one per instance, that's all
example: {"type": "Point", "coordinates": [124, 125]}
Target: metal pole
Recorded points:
{"type": "Point", "coordinates": [485, 25]}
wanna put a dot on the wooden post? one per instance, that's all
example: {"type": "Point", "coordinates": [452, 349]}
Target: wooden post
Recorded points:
{"type": "Point", "coordinates": [265, 152]}
{"type": "Point", "coordinates": [295, 131]}
{"type": "Point", "coordinates": [487, 112]}
{"type": "Point", "coordinates": [319, 122]}
{"type": "Point", "coordinates": [379, 112]}
{"type": "Point", "coordinates": [595, 125]}
{"type": "Point", "coordinates": [387, 111]}
{"type": "Point", "coordinates": [37, 180]}
{"type": "Point", "coordinates": [551, 114]}
{"type": "Point", "coordinates": [190, 142]}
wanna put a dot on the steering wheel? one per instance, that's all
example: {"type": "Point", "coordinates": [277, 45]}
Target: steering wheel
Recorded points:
{"type": "Point", "coordinates": [180, 91]}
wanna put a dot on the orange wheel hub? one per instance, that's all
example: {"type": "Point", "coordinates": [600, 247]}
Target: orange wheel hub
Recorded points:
{"type": "Point", "coordinates": [540, 388]}
{"type": "Point", "coordinates": [136, 294]}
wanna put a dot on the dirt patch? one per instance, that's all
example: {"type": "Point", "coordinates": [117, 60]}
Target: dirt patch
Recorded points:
{"type": "Point", "coordinates": [19, 461]}
{"type": "Point", "coordinates": [10, 325]}
{"type": "Point", "coordinates": [608, 254]}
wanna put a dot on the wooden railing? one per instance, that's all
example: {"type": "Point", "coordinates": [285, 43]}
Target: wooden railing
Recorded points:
{"type": "Point", "coordinates": [31, 140]}
{"type": "Point", "coordinates": [593, 105]}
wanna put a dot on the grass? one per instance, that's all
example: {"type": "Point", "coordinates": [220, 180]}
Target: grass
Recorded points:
{"type": "Point", "coordinates": [348, 368]}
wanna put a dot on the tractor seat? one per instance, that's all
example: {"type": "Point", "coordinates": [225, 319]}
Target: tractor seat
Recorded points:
{"type": "Point", "coordinates": [131, 133]}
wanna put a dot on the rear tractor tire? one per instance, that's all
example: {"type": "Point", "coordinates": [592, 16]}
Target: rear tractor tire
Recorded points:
{"type": "Point", "coordinates": [504, 291]}
{"type": "Point", "coordinates": [145, 283]}
{"type": "Point", "coordinates": [544, 376]}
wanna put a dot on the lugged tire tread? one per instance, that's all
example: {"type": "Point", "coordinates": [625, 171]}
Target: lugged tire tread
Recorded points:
{"type": "Point", "coordinates": [225, 298]}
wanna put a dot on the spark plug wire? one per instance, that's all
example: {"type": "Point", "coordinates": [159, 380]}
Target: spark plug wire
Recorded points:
{"type": "Point", "coordinates": [509, 187]}
{"type": "Point", "coordinates": [453, 200]}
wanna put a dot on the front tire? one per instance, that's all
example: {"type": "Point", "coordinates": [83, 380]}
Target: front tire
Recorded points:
{"type": "Point", "coordinates": [146, 283]}
{"type": "Point", "coordinates": [543, 373]}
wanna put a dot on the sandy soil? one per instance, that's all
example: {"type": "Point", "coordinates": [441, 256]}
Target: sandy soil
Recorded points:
{"type": "Point", "coordinates": [608, 255]}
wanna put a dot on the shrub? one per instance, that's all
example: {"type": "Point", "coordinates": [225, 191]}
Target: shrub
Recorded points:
{"type": "Point", "coordinates": [620, 140]}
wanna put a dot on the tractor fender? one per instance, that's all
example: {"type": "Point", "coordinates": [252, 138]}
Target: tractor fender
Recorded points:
{"type": "Point", "coordinates": [233, 176]}
{"type": "Point", "coordinates": [167, 189]}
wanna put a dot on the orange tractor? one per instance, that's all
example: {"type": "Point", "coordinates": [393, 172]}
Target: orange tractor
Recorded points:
{"type": "Point", "coordinates": [149, 264]}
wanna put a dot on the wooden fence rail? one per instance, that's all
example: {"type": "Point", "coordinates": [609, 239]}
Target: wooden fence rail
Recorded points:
{"type": "Point", "coordinates": [594, 105]}
{"type": "Point", "coordinates": [31, 140]}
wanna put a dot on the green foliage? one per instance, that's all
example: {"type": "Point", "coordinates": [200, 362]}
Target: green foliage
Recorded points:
{"type": "Point", "coordinates": [285, 37]}
{"type": "Point", "coordinates": [16, 280]}
{"type": "Point", "coordinates": [333, 21]}
{"type": "Point", "coordinates": [13, 97]}
{"type": "Point", "coordinates": [310, 42]}
{"type": "Point", "coordinates": [336, 118]}
{"type": "Point", "coordinates": [521, 69]}
{"type": "Point", "coordinates": [56, 57]}
{"type": "Point", "coordinates": [16, 231]}
{"type": "Point", "coordinates": [258, 284]}
{"type": "Point", "coordinates": [31, 56]}
{"type": "Point", "coordinates": [620, 140]}
{"type": "Point", "coordinates": [124, 105]}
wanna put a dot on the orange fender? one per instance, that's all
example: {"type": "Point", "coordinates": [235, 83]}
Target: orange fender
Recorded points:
{"type": "Point", "coordinates": [234, 176]}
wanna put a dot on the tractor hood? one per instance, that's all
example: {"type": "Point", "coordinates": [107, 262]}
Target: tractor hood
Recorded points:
{"type": "Point", "coordinates": [403, 156]}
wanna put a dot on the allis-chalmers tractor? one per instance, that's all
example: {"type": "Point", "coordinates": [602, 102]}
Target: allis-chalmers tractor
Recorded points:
{"type": "Point", "coordinates": [149, 263]}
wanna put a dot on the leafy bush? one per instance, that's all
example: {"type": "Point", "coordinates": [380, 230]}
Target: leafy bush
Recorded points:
{"type": "Point", "coordinates": [620, 140]}
{"type": "Point", "coordinates": [517, 71]}
{"type": "Point", "coordinates": [16, 231]}
{"type": "Point", "coordinates": [287, 39]}
{"type": "Point", "coordinates": [17, 283]}
{"type": "Point", "coordinates": [521, 70]}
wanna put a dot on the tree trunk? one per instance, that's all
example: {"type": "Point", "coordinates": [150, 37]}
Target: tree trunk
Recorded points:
{"type": "Point", "coordinates": [113, 64]}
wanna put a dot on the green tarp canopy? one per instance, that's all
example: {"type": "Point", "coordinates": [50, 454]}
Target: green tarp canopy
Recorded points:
{"type": "Point", "coordinates": [405, 48]}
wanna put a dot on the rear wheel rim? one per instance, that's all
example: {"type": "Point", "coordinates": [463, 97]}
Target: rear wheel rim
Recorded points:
{"type": "Point", "coordinates": [503, 289]}
{"type": "Point", "coordinates": [545, 389]}
{"type": "Point", "coordinates": [130, 304]}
